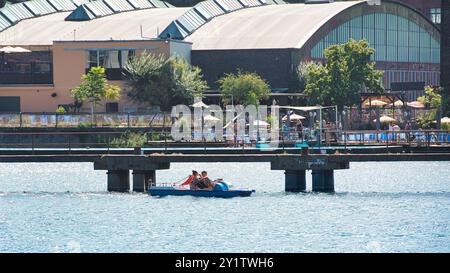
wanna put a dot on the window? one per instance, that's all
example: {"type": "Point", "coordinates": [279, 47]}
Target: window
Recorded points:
{"type": "Point", "coordinates": [112, 107]}
{"type": "Point", "coordinates": [435, 15]}
{"type": "Point", "coordinates": [108, 59]}
{"type": "Point", "coordinates": [9, 104]}
{"type": "Point", "coordinates": [395, 38]}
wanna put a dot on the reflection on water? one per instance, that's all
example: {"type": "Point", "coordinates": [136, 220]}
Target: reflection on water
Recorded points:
{"type": "Point", "coordinates": [377, 207]}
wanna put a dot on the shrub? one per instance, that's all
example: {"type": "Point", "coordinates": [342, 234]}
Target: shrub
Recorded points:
{"type": "Point", "coordinates": [61, 110]}
{"type": "Point", "coordinates": [130, 140]}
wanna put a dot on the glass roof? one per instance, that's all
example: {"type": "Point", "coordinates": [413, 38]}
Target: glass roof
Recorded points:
{"type": "Point", "coordinates": [102, 8]}
{"type": "Point", "coordinates": [39, 7]}
{"type": "Point", "coordinates": [62, 5]}
{"type": "Point", "coordinates": [204, 11]}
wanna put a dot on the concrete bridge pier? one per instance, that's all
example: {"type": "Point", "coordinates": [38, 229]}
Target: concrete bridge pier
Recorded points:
{"type": "Point", "coordinates": [323, 180]}
{"type": "Point", "coordinates": [295, 180]}
{"type": "Point", "coordinates": [322, 167]}
{"type": "Point", "coordinates": [141, 178]}
{"type": "Point", "coordinates": [144, 168]}
{"type": "Point", "coordinates": [118, 180]}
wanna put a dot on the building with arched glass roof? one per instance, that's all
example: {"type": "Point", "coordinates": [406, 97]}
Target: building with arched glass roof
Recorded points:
{"type": "Point", "coordinates": [268, 37]}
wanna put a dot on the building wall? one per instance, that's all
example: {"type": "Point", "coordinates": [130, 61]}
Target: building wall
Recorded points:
{"type": "Point", "coordinates": [181, 49]}
{"type": "Point", "coordinates": [424, 6]}
{"type": "Point", "coordinates": [69, 64]}
{"type": "Point", "coordinates": [274, 65]}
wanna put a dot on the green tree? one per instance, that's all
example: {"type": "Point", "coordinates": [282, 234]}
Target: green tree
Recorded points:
{"type": "Point", "coordinates": [243, 88]}
{"type": "Point", "coordinates": [94, 87]}
{"type": "Point", "coordinates": [347, 72]}
{"type": "Point", "coordinates": [301, 76]}
{"type": "Point", "coordinates": [2, 3]}
{"type": "Point", "coordinates": [155, 80]}
{"type": "Point", "coordinates": [432, 99]}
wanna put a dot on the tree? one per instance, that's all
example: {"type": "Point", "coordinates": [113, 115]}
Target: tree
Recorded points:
{"type": "Point", "coordinates": [347, 72]}
{"type": "Point", "coordinates": [2, 3]}
{"type": "Point", "coordinates": [433, 100]}
{"type": "Point", "coordinates": [95, 88]}
{"type": "Point", "coordinates": [155, 80]}
{"type": "Point", "coordinates": [301, 76]}
{"type": "Point", "coordinates": [243, 88]}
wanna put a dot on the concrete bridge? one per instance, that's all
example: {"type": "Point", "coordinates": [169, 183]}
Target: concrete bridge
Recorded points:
{"type": "Point", "coordinates": [144, 167]}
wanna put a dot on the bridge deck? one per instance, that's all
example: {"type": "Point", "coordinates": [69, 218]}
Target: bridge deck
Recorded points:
{"type": "Point", "coordinates": [231, 157]}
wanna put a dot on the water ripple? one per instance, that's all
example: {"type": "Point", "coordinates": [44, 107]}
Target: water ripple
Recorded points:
{"type": "Point", "coordinates": [65, 208]}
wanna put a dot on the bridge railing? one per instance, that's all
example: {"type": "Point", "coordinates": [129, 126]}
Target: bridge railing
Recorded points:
{"type": "Point", "coordinates": [84, 120]}
{"type": "Point", "coordinates": [163, 139]}
{"type": "Point", "coordinates": [401, 137]}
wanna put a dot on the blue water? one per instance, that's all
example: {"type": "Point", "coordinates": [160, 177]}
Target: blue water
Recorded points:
{"type": "Point", "coordinates": [377, 207]}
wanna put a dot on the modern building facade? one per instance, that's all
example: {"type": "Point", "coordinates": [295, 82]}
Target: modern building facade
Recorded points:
{"type": "Point", "coordinates": [268, 37]}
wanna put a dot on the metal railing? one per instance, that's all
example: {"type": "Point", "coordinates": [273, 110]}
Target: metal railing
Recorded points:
{"type": "Point", "coordinates": [162, 139]}
{"type": "Point", "coordinates": [83, 120]}
{"type": "Point", "coordinates": [401, 137]}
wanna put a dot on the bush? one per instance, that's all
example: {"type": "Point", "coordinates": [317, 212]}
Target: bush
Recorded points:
{"type": "Point", "coordinates": [84, 125]}
{"type": "Point", "coordinates": [155, 136]}
{"type": "Point", "coordinates": [244, 87]}
{"type": "Point", "coordinates": [130, 140]}
{"type": "Point", "coordinates": [61, 110]}
{"type": "Point", "coordinates": [425, 120]}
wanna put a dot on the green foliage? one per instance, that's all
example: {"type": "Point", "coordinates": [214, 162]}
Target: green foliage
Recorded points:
{"type": "Point", "coordinates": [84, 125]}
{"type": "Point", "coordinates": [2, 3]}
{"type": "Point", "coordinates": [301, 76]}
{"type": "Point", "coordinates": [155, 80]}
{"type": "Point", "coordinates": [446, 104]}
{"type": "Point", "coordinates": [347, 72]}
{"type": "Point", "coordinates": [94, 87]}
{"type": "Point", "coordinates": [61, 110]}
{"type": "Point", "coordinates": [432, 97]}
{"type": "Point", "coordinates": [130, 140]}
{"type": "Point", "coordinates": [245, 87]}
{"type": "Point", "coordinates": [425, 120]}
{"type": "Point", "coordinates": [270, 119]}
{"type": "Point", "coordinates": [445, 126]}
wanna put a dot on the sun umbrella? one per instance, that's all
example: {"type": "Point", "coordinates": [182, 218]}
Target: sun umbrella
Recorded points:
{"type": "Point", "coordinates": [210, 118]}
{"type": "Point", "coordinates": [385, 119]}
{"type": "Point", "coordinates": [375, 103]}
{"type": "Point", "coordinates": [10, 49]}
{"type": "Point", "coordinates": [445, 120]}
{"type": "Point", "coordinates": [260, 123]}
{"type": "Point", "coordinates": [293, 117]}
{"type": "Point", "coordinates": [199, 104]}
{"type": "Point", "coordinates": [397, 103]}
{"type": "Point", "coordinates": [415, 104]}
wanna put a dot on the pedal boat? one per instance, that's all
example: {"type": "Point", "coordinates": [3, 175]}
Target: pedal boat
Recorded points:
{"type": "Point", "coordinates": [221, 190]}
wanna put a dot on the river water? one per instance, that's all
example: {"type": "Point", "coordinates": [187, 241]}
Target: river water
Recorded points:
{"type": "Point", "coordinates": [377, 207]}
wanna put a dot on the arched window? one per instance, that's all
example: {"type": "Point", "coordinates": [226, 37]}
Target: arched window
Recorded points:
{"type": "Point", "coordinates": [394, 38]}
